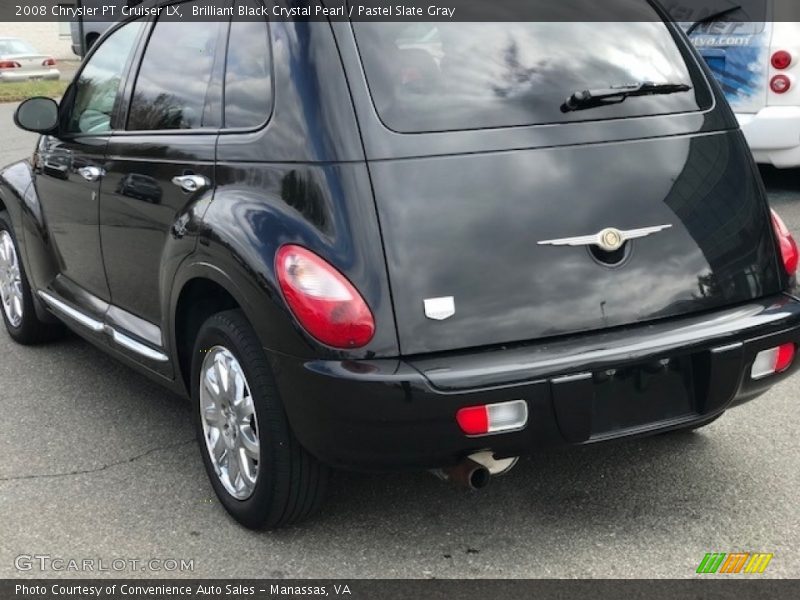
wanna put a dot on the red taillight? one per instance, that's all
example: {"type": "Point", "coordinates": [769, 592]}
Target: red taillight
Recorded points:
{"type": "Point", "coordinates": [785, 358]}
{"type": "Point", "coordinates": [780, 84]}
{"type": "Point", "coordinates": [781, 60]}
{"type": "Point", "coordinates": [49, 62]}
{"type": "Point", "coordinates": [773, 361]}
{"type": "Point", "coordinates": [323, 300]}
{"type": "Point", "coordinates": [9, 64]}
{"type": "Point", "coordinates": [473, 420]}
{"type": "Point", "coordinates": [493, 418]}
{"type": "Point", "coordinates": [789, 252]}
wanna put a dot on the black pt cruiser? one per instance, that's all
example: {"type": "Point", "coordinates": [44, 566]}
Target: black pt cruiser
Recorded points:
{"type": "Point", "coordinates": [402, 245]}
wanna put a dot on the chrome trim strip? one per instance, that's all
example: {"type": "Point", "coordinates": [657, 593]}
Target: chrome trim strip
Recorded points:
{"type": "Point", "coordinates": [571, 378]}
{"type": "Point", "coordinates": [99, 327]}
{"type": "Point", "coordinates": [72, 313]}
{"type": "Point", "coordinates": [137, 347]}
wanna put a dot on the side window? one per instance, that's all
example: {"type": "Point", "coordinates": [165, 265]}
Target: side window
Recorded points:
{"type": "Point", "coordinates": [175, 75]}
{"type": "Point", "coordinates": [248, 74]}
{"type": "Point", "coordinates": [96, 89]}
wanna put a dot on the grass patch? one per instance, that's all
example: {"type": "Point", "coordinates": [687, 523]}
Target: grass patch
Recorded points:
{"type": "Point", "coordinates": [16, 91]}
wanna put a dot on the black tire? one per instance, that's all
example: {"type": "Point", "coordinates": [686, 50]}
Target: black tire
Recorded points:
{"type": "Point", "coordinates": [291, 483]}
{"type": "Point", "coordinates": [30, 330]}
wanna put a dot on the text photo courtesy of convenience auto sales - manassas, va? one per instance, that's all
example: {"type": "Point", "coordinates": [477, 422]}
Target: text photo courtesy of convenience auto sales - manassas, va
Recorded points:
{"type": "Point", "coordinates": [409, 299]}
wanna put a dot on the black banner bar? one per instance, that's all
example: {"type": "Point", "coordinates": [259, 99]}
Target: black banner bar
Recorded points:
{"type": "Point", "coordinates": [261, 589]}
{"type": "Point", "coordinates": [402, 10]}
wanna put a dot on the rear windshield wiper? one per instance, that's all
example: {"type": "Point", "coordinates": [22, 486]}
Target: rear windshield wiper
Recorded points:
{"type": "Point", "coordinates": [616, 94]}
{"type": "Point", "coordinates": [712, 17]}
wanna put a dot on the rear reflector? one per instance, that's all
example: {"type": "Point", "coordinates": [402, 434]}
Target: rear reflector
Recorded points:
{"type": "Point", "coordinates": [785, 358]}
{"type": "Point", "coordinates": [780, 84]}
{"type": "Point", "coordinates": [772, 361]}
{"type": "Point", "coordinates": [493, 418]}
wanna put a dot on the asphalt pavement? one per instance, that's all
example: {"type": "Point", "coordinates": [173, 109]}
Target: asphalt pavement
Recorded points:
{"type": "Point", "coordinates": [100, 464]}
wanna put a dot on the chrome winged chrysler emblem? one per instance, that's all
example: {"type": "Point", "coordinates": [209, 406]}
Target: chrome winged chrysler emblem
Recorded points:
{"type": "Point", "coordinates": [609, 239]}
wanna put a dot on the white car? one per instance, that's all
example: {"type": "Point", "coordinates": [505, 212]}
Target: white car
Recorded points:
{"type": "Point", "coordinates": [757, 62]}
{"type": "Point", "coordinates": [19, 61]}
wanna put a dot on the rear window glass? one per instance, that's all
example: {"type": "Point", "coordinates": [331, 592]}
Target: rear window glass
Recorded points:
{"type": "Point", "coordinates": [451, 76]}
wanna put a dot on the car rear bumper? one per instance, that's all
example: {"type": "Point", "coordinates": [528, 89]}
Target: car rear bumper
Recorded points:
{"type": "Point", "coordinates": [9, 76]}
{"type": "Point", "coordinates": [773, 134]}
{"type": "Point", "coordinates": [386, 414]}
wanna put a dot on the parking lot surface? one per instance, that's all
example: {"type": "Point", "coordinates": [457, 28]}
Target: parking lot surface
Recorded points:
{"type": "Point", "coordinates": [99, 463]}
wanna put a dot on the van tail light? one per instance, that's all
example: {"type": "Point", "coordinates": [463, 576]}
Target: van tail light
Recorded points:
{"type": "Point", "coordinates": [49, 62]}
{"type": "Point", "coordinates": [780, 84]}
{"type": "Point", "coordinates": [781, 60]}
{"type": "Point", "coordinates": [773, 361]}
{"type": "Point", "coordinates": [9, 64]}
{"type": "Point", "coordinates": [789, 252]}
{"type": "Point", "coordinates": [325, 303]}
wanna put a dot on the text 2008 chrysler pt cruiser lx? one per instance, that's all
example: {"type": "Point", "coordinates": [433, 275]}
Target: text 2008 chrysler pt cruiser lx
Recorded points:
{"type": "Point", "coordinates": [402, 245]}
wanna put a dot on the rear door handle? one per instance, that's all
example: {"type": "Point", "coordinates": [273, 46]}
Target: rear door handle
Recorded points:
{"type": "Point", "coordinates": [191, 183]}
{"type": "Point", "coordinates": [91, 173]}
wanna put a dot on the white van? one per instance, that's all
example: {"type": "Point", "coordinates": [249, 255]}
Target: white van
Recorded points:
{"type": "Point", "coordinates": [753, 48]}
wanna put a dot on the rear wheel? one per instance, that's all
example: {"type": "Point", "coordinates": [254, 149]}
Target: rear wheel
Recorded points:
{"type": "Point", "coordinates": [19, 314]}
{"type": "Point", "coordinates": [259, 471]}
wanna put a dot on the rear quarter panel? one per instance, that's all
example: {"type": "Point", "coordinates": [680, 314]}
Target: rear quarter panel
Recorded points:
{"type": "Point", "coordinates": [302, 179]}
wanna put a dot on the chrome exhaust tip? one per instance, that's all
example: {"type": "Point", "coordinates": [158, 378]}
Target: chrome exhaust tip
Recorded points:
{"type": "Point", "coordinates": [467, 474]}
{"type": "Point", "coordinates": [475, 471]}
{"type": "Point", "coordinates": [496, 466]}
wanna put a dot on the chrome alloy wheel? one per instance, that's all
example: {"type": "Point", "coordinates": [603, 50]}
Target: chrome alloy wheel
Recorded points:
{"type": "Point", "coordinates": [10, 280]}
{"type": "Point", "coordinates": [229, 422]}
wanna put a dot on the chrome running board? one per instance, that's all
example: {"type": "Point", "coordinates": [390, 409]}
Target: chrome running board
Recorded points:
{"type": "Point", "coordinates": [72, 313]}
{"type": "Point", "coordinates": [96, 326]}
{"type": "Point", "coordinates": [134, 346]}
